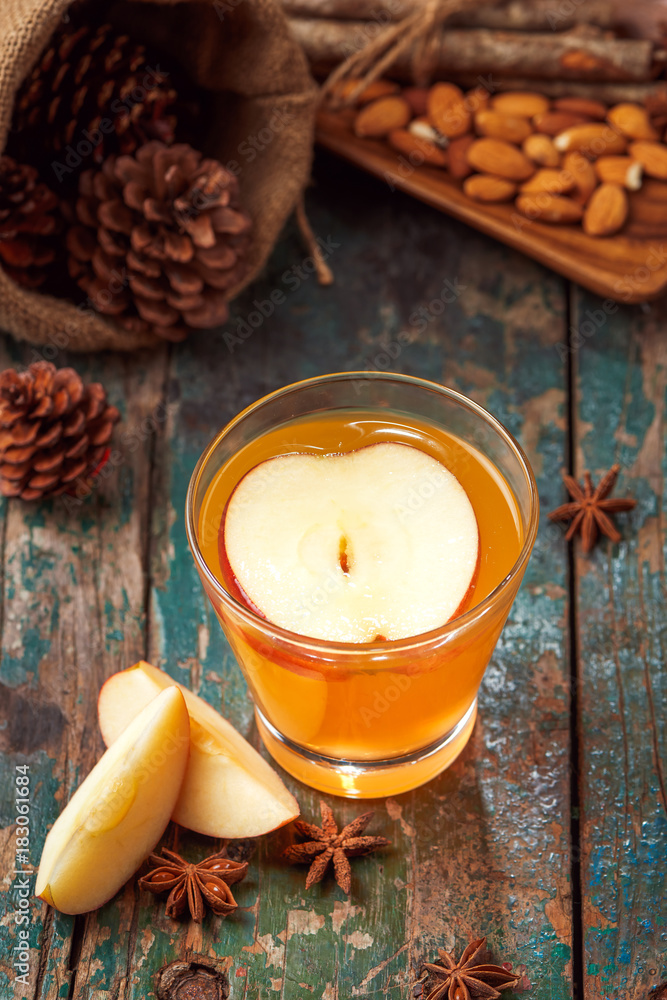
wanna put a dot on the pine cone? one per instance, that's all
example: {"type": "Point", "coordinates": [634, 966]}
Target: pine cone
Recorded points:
{"type": "Point", "coordinates": [25, 222]}
{"type": "Point", "coordinates": [96, 91]}
{"type": "Point", "coordinates": [162, 239]}
{"type": "Point", "coordinates": [54, 430]}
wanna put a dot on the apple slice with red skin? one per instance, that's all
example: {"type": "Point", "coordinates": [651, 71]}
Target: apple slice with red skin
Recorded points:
{"type": "Point", "coordinates": [375, 544]}
{"type": "Point", "coordinates": [117, 815]}
{"type": "Point", "coordinates": [229, 790]}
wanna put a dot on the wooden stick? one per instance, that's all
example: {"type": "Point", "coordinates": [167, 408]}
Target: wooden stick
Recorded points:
{"type": "Point", "coordinates": [514, 15]}
{"type": "Point", "coordinates": [608, 93]}
{"type": "Point", "coordinates": [556, 56]}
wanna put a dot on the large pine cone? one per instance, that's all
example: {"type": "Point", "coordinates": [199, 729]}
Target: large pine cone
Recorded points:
{"type": "Point", "coordinates": [25, 223]}
{"type": "Point", "coordinates": [54, 431]}
{"type": "Point", "coordinates": [96, 91]}
{"type": "Point", "coordinates": [162, 239]}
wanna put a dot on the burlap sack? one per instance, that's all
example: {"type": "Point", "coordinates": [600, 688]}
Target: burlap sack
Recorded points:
{"type": "Point", "coordinates": [262, 121]}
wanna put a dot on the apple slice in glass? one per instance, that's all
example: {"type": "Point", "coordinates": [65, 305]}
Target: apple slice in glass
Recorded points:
{"type": "Point", "coordinates": [229, 790]}
{"type": "Point", "coordinates": [377, 543]}
{"type": "Point", "coordinates": [116, 817]}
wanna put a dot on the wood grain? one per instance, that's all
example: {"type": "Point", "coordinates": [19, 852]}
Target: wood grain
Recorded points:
{"type": "Point", "coordinates": [73, 613]}
{"type": "Point", "coordinates": [457, 851]}
{"type": "Point", "coordinates": [610, 267]}
{"type": "Point", "coordinates": [621, 380]}
{"type": "Point", "coordinates": [484, 849]}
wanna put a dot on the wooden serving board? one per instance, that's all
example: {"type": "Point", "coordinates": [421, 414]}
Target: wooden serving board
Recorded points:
{"type": "Point", "coordinates": [629, 267]}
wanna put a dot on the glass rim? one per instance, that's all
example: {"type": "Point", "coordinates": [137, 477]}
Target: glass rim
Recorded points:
{"type": "Point", "coordinates": [377, 650]}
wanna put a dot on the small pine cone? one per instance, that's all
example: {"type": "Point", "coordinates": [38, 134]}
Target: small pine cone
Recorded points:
{"type": "Point", "coordinates": [88, 75]}
{"type": "Point", "coordinates": [26, 221]}
{"type": "Point", "coordinates": [162, 239]}
{"type": "Point", "coordinates": [54, 431]}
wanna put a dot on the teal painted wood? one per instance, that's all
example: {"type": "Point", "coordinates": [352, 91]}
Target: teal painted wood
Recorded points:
{"type": "Point", "coordinates": [73, 612]}
{"type": "Point", "coordinates": [484, 848]}
{"type": "Point", "coordinates": [621, 369]}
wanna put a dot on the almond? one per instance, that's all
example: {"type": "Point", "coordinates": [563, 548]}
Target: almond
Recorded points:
{"type": "Point", "coordinates": [493, 156]}
{"type": "Point", "coordinates": [633, 121]}
{"type": "Point", "coordinates": [583, 174]}
{"type": "Point", "coordinates": [552, 181]}
{"type": "Point", "coordinates": [520, 103]}
{"type": "Point", "coordinates": [541, 150]}
{"type": "Point", "coordinates": [484, 187]}
{"type": "Point", "coordinates": [652, 156]}
{"type": "Point", "coordinates": [378, 88]}
{"type": "Point", "coordinates": [417, 98]}
{"type": "Point", "coordinates": [499, 126]}
{"type": "Point", "coordinates": [553, 122]}
{"type": "Point", "coordinates": [380, 117]}
{"type": "Point", "coordinates": [621, 170]}
{"type": "Point", "coordinates": [457, 154]}
{"type": "Point", "coordinates": [478, 99]}
{"type": "Point", "coordinates": [582, 106]}
{"type": "Point", "coordinates": [419, 150]}
{"type": "Point", "coordinates": [448, 111]}
{"type": "Point", "coordinates": [549, 208]}
{"type": "Point", "coordinates": [606, 211]}
{"type": "Point", "coordinates": [593, 140]}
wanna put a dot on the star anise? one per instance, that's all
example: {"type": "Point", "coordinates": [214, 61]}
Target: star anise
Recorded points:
{"type": "Point", "coordinates": [191, 885]}
{"type": "Point", "coordinates": [466, 979]}
{"type": "Point", "coordinates": [590, 508]}
{"type": "Point", "coordinates": [325, 844]}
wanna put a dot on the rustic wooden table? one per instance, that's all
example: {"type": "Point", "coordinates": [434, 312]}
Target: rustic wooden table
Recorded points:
{"type": "Point", "coordinates": [548, 834]}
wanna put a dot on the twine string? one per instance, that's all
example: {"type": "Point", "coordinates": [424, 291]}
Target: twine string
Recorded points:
{"type": "Point", "coordinates": [417, 32]}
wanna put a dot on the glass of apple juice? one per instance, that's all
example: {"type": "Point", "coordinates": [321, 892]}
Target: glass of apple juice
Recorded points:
{"type": "Point", "coordinates": [361, 537]}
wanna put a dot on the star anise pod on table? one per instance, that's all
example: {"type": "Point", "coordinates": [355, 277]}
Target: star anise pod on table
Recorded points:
{"type": "Point", "coordinates": [467, 978]}
{"type": "Point", "coordinates": [590, 508]}
{"type": "Point", "coordinates": [190, 886]}
{"type": "Point", "coordinates": [322, 845]}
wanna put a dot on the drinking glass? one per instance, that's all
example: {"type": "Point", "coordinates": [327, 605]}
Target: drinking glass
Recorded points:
{"type": "Point", "coordinates": [371, 719]}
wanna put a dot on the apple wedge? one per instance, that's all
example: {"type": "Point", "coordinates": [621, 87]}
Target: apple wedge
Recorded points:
{"type": "Point", "coordinates": [116, 817]}
{"type": "Point", "coordinates": [380, 543]}
{"type": "Point", "coordinates": [228, 790]}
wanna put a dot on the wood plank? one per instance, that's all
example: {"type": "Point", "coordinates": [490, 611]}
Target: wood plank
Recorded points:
{"type": "Point", "coordinates": [484, 848]}
{"type": "Point", "coordinates": [73, 612]}
{"type": "Point", "coordinates": [621, 370]}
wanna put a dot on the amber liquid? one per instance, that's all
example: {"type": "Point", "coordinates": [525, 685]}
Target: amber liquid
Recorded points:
{"type": "Point", "coordinates": [369, 701]}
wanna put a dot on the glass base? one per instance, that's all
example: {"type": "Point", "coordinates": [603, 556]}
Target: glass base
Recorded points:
{"type": "Point", "coordinates": [367, 779]}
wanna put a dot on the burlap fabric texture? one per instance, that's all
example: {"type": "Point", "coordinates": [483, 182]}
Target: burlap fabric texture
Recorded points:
{"type": "Point", "coordinates": [261, 125]}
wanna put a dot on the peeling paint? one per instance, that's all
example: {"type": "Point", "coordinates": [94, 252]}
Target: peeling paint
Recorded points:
{"type": "Point", "coordinates": [359, 940]}
{"type": "Point", "coordinates": [304, 922]}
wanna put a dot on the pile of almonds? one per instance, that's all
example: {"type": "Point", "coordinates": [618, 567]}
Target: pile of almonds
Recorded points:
{"type": "Point", "coordinates": [566, 160]}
